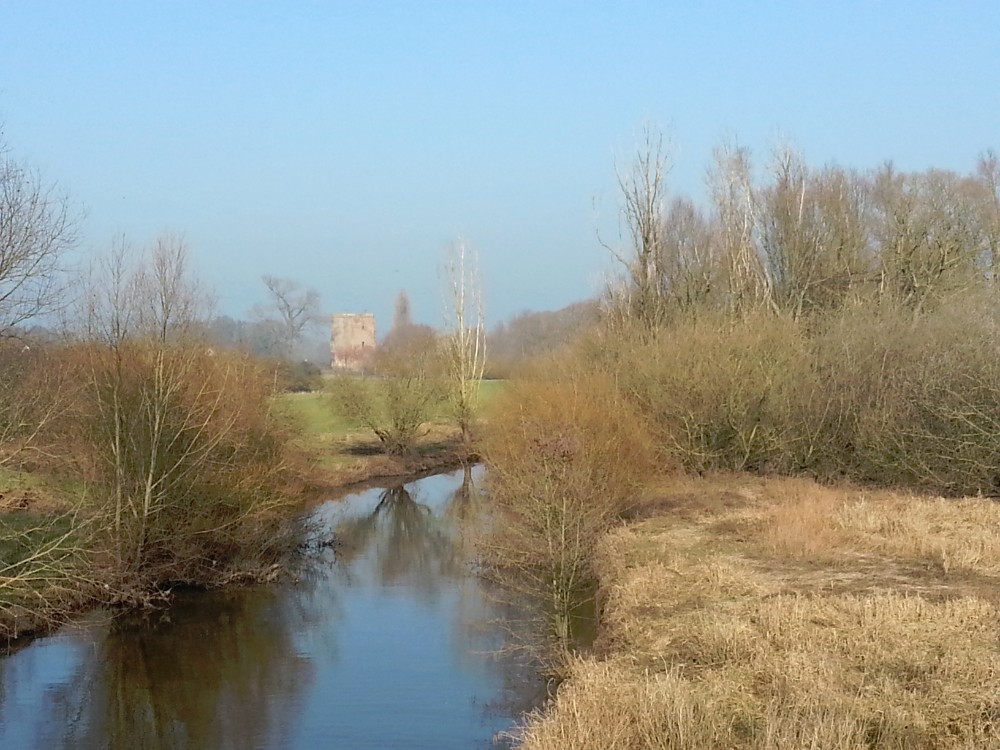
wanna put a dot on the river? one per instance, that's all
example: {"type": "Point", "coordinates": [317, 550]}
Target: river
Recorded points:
{"type": "Point", "coordinates": [390, 641]}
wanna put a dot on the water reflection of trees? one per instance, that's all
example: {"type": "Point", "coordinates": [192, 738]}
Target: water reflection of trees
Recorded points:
{"type": "Point", "coordinates": [217, 675]}
{"type": "Point", "coordinates": [235, 670]}
{"type": "Point", "coordinates": [404, 540]}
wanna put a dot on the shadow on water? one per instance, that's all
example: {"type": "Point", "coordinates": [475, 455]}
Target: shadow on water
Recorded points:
{"type": "Point", "coordinates": [388, 640]}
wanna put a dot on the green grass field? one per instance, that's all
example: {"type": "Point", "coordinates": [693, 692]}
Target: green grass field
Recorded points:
{"type": "Point", "coordinates": [332, 442]}
{"type": "Point", "coordinates": [488, 391]}
{"type": "Point", "coordinates": [316, 413]}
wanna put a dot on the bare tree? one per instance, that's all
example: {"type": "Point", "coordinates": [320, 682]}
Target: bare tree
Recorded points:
{"type": "Point", "coordinates": [690, 262]}
{"type": "Point", "coordinates": [297, 307]}
{"type": "Point", "coordinates": [988, 171]}
{"type": "Point", "coordinates": [36, 230]}
{"type": "Point", "coordinates": [643, 190]}
{"type": "Point", "coordinates": [812, 233]}
{"type": "Point", "coordinates": [36, 389]}
{"type": "Point", "coordinates": [738, 215]}
{"type": "Point", "coordinates": [930, 235]}
{"type": "Point", "coordinates": [466, 342]}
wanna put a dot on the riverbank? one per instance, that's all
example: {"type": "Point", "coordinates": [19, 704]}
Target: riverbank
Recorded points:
{"type": "Point", "coordinates": [745, 612]}
{"type": "Point", "coordinates": [47, 569]}
{"type": "Point", "coordinates": [334, 456]}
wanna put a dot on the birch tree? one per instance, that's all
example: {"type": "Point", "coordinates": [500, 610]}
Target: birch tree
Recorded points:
{"type": "Point", "coordinates": [642, 188]}
{"type": "Point", "coordinates": [738, 216]}
{"type": "Point", "coordinates": [466, 338]}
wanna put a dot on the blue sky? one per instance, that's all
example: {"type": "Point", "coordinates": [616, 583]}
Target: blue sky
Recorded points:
{"type": "Point", "coordinates": [345, 144]}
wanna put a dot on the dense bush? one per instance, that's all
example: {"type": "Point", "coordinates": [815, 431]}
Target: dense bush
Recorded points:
{"type": "Point", "coordinates": [912, 399]}
{"type": "Point", "coordinates": [186, 461]}
{"type": "Point", "coordinates": [566, 458]}
{"type": "Point", "coordinates": [301, 376]}
{"type": "Point", "coordinates": [874, 391]}
{"type": "Point", "coordinates": [720, 393]}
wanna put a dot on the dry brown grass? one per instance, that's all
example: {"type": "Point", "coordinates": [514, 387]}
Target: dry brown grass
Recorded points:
{"type": "Point", "coordinates": [755, 613]}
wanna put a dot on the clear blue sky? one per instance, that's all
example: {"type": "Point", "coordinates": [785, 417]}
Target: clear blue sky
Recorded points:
{"type": "Point", "coordinates": [345, 144]}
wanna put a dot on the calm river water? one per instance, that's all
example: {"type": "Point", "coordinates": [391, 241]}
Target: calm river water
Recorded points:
{"type": "Point", "coordinates": [390, 645]}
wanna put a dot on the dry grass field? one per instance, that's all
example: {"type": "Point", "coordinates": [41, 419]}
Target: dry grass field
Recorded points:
{"type": "Point", "coordinates": [778, 614]}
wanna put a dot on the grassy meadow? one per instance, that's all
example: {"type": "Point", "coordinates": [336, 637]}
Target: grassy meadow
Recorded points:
{"type": "Point", "coordinates": [782, 614]}
{"type": "Point", "coordinates": [335, 450]}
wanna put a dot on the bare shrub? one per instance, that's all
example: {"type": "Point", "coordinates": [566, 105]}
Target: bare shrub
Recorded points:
{"type": "Point", "coordinates": [567, 458]}
{"type": "Point", "coordinates": [36, 390]}
{"type": "Point", "coordinates": [404, 394]}
{"type": "Point", "coordinates": [913, 400]}
{"type": "Point", "coordinates": [186, 461]}
{"type": "Point", "coordinates": [721, 392]}
{"type": "Point", "coordinates": [872, 391]}
{"type": "Point", "coordinates": [45, 570]}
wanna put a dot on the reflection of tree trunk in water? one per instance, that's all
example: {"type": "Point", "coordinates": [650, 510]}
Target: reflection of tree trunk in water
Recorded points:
{"type": "Point", "coordinates": [406, 537]}
{"type": "Point", "coordinates": [461, 504]}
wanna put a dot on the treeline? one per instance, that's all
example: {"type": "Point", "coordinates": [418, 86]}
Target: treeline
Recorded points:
{"type": "Point", "coordinates": [801, 241]}
{"type": "Point", "coordinates": [828, 322]}
{"type": "Point", "coordinates": [532, 334]}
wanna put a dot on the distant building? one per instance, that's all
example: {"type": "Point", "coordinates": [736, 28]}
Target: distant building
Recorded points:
{"type": "Point", "coordinates": [352, 340]}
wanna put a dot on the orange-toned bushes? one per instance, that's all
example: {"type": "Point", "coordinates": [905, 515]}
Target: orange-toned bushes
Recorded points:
{"type": "Point", "coordinates": [567, 457]}
{"type": "Point", "coordinates": [186, 461]}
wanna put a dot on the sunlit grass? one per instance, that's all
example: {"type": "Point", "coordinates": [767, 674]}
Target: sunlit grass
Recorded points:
{"type": "Point", "coordinates": [488, 392]}
{"type": "Point", "coordinates": [338, 450]}
{"type": "Point", "coordinates": [780, 614]}
{"type": "Point", "coordinates": [314, 414]}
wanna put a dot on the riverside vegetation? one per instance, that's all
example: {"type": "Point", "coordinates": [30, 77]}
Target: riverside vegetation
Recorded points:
{"type": "Point", "coordinates": [839, 329]}
{"type": "Point", "coordinates": [136, 453]}
{"type": "Point", "coordinates": [139, 457]}
{"type": "Point", "coordinates": [147, 460]}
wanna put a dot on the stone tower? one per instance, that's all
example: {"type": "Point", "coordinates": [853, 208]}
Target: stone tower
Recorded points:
{"type": "Point", "coordinates": [352, 340]}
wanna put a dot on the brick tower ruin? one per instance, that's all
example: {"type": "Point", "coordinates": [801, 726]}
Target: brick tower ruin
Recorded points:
{"type": "Point", "coordinates": [352, 340]}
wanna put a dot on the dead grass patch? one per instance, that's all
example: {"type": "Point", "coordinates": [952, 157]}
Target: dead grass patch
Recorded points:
{"type": "Point", "coordinates": [951, 535]}
{"type": "Point", "coordinates": [791, 615]}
